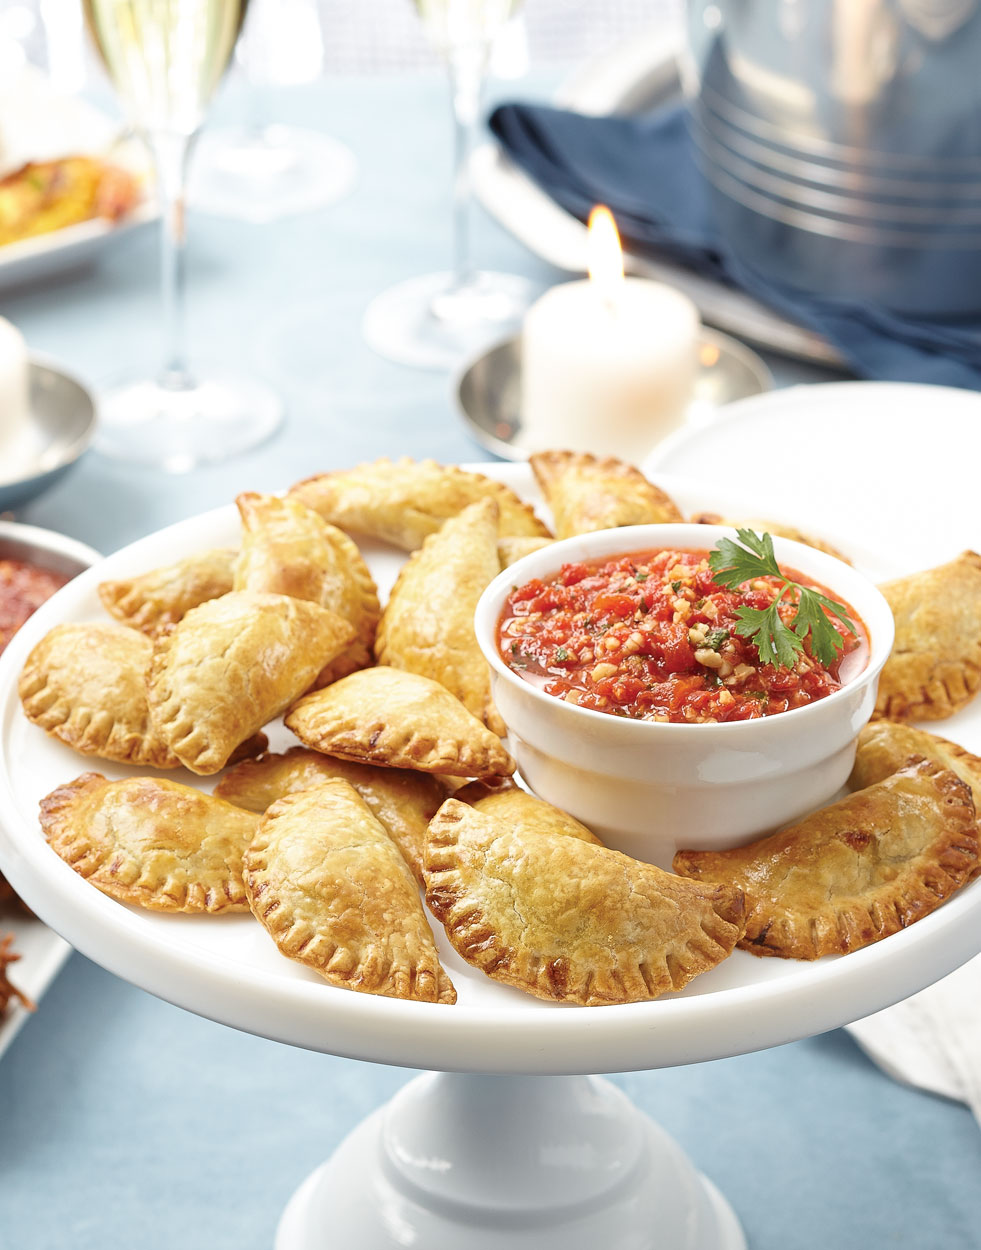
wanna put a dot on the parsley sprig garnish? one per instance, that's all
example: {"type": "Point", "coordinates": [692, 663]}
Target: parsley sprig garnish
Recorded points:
{"type": "Point", "coordinates": [733, 563]}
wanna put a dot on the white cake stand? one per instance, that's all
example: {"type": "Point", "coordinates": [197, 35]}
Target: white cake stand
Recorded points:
{"type": "Point", "coordinates": [486, 1154]}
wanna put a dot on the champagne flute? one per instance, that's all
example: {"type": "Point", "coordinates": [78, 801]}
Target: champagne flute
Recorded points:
{"type": "Point", "coordinates": [165, 58]}
{"type": "Point", "coordinates": [436, 320]}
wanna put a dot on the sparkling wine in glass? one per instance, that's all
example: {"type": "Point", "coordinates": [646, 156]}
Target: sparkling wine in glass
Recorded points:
{"type": "Point", "coordinates": [165, 59]}
{"type": "Point", "coordinates": [436, 320]}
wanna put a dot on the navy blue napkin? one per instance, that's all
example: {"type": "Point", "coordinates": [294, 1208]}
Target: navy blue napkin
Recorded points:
{"type": "Point", "coordinates": [644, 170]}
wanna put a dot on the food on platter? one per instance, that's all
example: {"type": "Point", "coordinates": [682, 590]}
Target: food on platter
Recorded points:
{"type": "Point", "coordinates": [427, 624]}
{"type": "Point", "coordinates": [232, 665]}
{"type": "Point", "coordinates": [777, 529]}
{"type": "Point", "coordinates": [153, 601]}
{"type": "Point", "coordinates": [328, 883]}
{"type": "Point", "coordinates": [935, 665]}
{"type": "Point", "coordinates": [884, 746]}
{"type": "Point", "coordinates": [287, 549]}
{"type": "Point", "coordinates": [511, 550]}
{"type": "Point", "coordinates": [404, 501]}
{"type": "Point", "coordinates": [8, 991]}
{"type": "Point", "coordinates": [151, 842]}
{"type": "Point", "coordinates": [669, 636]}
{"type": "Point", "coordinates": [43, 196]}
{"type": "Point", "coordinates": [337, 834]}
{"type": "Point", "coordinates": [567, 920]}
{"type": "Point", "coordinates": [522, 811]}
{"type": "Point", "coordinates": [588, 493]}
{"type": "Point", "coordinates": [86, 685]}
{"type": "Point", "coordinates": [23, 588]}
{"type": "Point", "coordinates": [404, 801]}
{"type": "Point", "coordinates": [399, 720]}
{"type": "Point", "coordinates": [854, 872]}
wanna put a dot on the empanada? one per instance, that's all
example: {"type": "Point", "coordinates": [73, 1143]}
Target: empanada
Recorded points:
{"type": "Point", "coordinates": [334, 893]}
{"type": "Point", "coordinates": [151, 842]}
{"type": "Point", "coordinates": [589, 493]}
{"type": "Point", "coordinates": [399, 720]}
{"type": "Point", "coordinates": [854, 872]}
{"type": "Point", "coordinates": [885, 746]}
{"type": "Point", "coordinates": [427, 625]}
{"type": "Point", "coordinates": [405, 802]}
{"type": "Point", "coordinates": [403, 501]}
{"type": "Point", "coordinates": [233, 664]}
{"type": "Point", "coordinates": [776, 528]}
{"type": "Point", "coordinates": [511, 550]}
{"type": "Point", "coordinates": [521, 811]}
{"type": "Point", "coordinates": [935, 664]}
{"type": "Point", "coordinates": [155, 600]}
{"type": "Point", "coordinates": [287, 549]}
{"type": "Point", "coordinates": [566, 920]}
{"type": "Point", "coordinates": [85, 685]}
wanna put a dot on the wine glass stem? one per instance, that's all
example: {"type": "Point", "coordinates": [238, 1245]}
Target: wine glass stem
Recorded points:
{"type": "Point", "coordinates": [170, 157]}
{"type": "Point", "coordinates": [468, 71]}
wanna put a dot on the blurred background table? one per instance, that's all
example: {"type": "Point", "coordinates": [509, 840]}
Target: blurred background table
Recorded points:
{"type": "Point", "coordinates": [125, 1121]}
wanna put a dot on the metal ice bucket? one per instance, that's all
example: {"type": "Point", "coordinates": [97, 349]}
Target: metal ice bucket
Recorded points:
{"type": "Point", "coordinates": [842, 142]}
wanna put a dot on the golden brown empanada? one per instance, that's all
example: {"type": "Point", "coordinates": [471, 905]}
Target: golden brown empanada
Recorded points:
{"type": "Point", "coordinates": [85, 685]}
{"type": "Point", "coordinates": [233, 664]}
{"type": "Point", "coordinates": [151, 842]}
{"type": "Point", "coordinates": [566, 920]}
{"type": "Point", "coordinates": [885, 746]}
{"type": "Point", "coordinates": [403, 501]}
{"type": "Point", "coordinates": [776, 528]}
{"type": "Point", "coordinates": [589, 493]}
{"type": "Point", "coordinates": [935, 664]}
{"type": "Point", "coordinates": [405, 802]}
{"type": "Point", "coordinates": [155, 600]}
{"type": "Point", "coordinates": [287, 549]}
{"type": "Point", "coordinates": [332, 889]}
{"type": "Point", "coordinates": [521, 811]}
{"type": "Point", "coordinates": [399, 720]}
{"type": "Point", "coordinates": [854, 872]}
{"type": "Point", "coordinates": [511, 550]}
{"type": "Point", "coordinates": [427, 625]}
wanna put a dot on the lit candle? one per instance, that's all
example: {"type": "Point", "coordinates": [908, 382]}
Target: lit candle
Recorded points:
{"type": "Point", "coordinates": [13, 396]}
{"type": "Point", "coordinates": [608, 363]}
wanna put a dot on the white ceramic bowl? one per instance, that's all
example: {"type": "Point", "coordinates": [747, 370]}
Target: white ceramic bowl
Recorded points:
{"type": "Point", "coordinates": [649, 787]}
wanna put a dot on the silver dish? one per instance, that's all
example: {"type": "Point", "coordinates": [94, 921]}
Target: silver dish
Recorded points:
{"type": "Point", "coordinates": [61, 423]}
{"type": "Point", "coordinates": [46, 548]}
{"type": "Point", "coordinates": [486, 390]}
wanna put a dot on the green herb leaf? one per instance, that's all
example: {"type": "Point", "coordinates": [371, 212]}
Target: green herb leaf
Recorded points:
{"type": "Point", "coordinates": [715, 638]}
{"type": "Point", "coordinates": [775, 643]}
{"type": "Point", "coordinates": [561, 653]}
{"type": "Point", "coordinates": [676, 587]}
{"type": "Point", "coordinates": [733, 563]}
{"type": "Point", "coordinates": [641, 576]}
{"type": "Point", "coordinates": [811, 618]}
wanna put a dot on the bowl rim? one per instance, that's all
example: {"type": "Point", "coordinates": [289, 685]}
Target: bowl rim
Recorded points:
{"type": "Point", "coordinates": [50, 541]}
{"type": "Point", "coordinates": [551, 558]}
{"type": "Point", "coordinates": [39, 363]}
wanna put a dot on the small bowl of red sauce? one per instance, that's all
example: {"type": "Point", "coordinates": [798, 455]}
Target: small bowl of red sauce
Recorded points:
{"type": "Point", "coordinates": [34, 564]}
{"type": "Point", "coordinates": [637, 698]}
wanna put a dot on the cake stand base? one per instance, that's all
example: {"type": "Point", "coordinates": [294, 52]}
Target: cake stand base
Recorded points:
{"type": "Point", "coordinates": [508, 1163]}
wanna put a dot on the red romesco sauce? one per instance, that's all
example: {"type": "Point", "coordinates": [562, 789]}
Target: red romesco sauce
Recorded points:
{"type": "Point", "coordinates": [23, 588]}
{"type": "Point", "coordinates": [649, 635]}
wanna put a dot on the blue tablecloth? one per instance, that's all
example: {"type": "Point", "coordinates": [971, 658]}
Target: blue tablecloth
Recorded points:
{"type": "Point", "coordinates": [125, 1121]}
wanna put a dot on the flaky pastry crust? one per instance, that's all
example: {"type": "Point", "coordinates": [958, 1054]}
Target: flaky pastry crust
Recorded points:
{"type": "Point", "coordinates": [854, 872]}
{"type": "Point", "coordinates": [566, 920]}
{"type": "Point", "coordinates": [589, 493]}
{"type": "Point", "coordinates": [427, 625]}
{"type": "Point", "coordinates": [935, 664]}
{"type": "Point", "coordinates": [156, 600]}
{"type": "Point", "coordinates": [521, 811]}
{"type": "Point", "coordinates": [404, 501]}
{"type": "Point", "coordinates": [405, 802]}
{"type": "Point", "coordinates": [398, 720]}
{"type": "Point", "coordinates": [151, 842]}
{"type": "Point", "coordinates": [332, 889]}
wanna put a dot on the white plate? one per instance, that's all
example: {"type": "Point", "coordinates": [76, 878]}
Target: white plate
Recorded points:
{"type": "Point", "coordinates": [61, 251]}
{"type": "Point", "coordinates": [227, 967]}
{"type": "Point", "coordinates": [634, 77]}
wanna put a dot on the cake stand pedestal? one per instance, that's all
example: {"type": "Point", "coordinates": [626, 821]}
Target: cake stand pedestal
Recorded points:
{"type": "Point", "coordinates": [457, 1162]}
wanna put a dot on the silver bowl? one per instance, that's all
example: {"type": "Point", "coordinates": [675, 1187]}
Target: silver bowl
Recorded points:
{"type": "Point", "coordinates": [486, 390]}
{"type": "Point", "coordinates": [61, 423]}
{"type": "Point", "coordinates": [47, 549]}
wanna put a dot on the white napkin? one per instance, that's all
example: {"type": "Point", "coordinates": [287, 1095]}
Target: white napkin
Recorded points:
{"type": "Point", "coordinates": [932, 1040]}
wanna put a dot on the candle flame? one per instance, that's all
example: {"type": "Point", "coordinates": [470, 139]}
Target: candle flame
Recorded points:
{"type": "Point", "coordinates": [604, 254]}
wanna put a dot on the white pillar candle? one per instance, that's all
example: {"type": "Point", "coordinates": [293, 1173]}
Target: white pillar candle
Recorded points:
{"type": "Point", "coordinates": [608, 364]}
{"type": "Point", "coordinates": [13, 390]}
